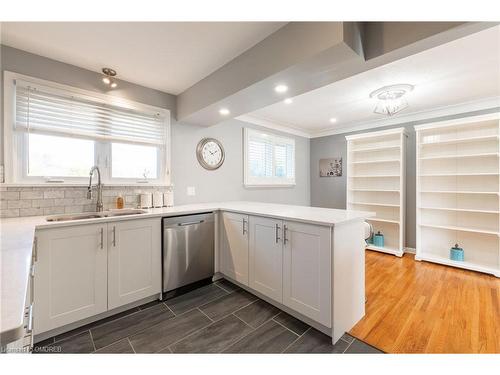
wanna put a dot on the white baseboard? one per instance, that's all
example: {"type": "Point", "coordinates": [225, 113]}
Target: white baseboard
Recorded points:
{"type": "Point", "coordinates": [410, 250]}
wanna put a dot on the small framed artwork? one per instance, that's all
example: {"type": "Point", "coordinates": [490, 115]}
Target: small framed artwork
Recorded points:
{"type": "Point", "coordinates": [331, 167]}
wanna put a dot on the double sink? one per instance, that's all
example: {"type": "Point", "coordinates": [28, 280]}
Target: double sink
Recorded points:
{"type": "Point", "coordinates": [96, 215]}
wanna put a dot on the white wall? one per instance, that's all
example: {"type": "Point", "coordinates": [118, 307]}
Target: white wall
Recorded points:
{"type": "Point", "coordinates": [226, 183]}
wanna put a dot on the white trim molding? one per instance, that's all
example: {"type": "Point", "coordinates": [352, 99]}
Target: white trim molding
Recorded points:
{"type": "Point", "coordinates": [285, 128]}
{"type": "Point", "coordinates": [455, 109]}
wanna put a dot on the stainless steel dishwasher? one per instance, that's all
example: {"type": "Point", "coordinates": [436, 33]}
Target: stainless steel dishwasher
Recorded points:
{"type": "Point", "coordinates": [188, 249]}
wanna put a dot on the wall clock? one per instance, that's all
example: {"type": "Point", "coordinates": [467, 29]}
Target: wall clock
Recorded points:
{"type": "Point", "coordinates": [210, 153]}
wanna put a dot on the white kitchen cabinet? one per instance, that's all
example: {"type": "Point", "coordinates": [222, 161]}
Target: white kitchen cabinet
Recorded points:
{"type": "Point", "coordinates": [85, 270]}
{"type": "Point", "coordinates": [266, 256]}
{"type": "Point", "coordinates": [134, 259]}
{"type": "Point", "coordinates": [71, 275]}
{"type": "Point", "coordinates": [307, 266]}
{"type": "Point", "coordinates": [234, 246]}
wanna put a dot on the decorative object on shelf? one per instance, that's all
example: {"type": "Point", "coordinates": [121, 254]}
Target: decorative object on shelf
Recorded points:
{"type": "Point", "coordinates": [119, 202]}
{"type": "Point", "coordinates": [378, 239]}
{"type": "Point", "coordinates": [157, 199]}
{"type": "Point", "coordinates": [457, 253]}
{"type": "Point", "coordinates": [146, 200]}
{"type": "Point", "coordinates": [109, 77]}
{"type": "Point", "coordinates": [331, 167]}
{"type": "Point", "coordinates": [168, 199]}
{"type": "Point", "coordinates": [391, 99]}
{"type": "Point", "coordinates": [368, 233]}
{"type": "Point", "coordinates": [210, 153]}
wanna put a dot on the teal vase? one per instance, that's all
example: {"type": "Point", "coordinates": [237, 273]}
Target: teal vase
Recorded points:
{"type": "Point", "coordinates": [457, 253]}
{"type": "Point", "coordinates": [378, 239]}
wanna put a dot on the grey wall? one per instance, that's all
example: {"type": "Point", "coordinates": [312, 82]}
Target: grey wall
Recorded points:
{"type": "Point", "coordinates": [331, 191]}
{"type": "Point", "coordinates": [226, 183]}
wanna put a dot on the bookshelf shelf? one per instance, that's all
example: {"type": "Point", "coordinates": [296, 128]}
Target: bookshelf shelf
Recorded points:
{"type": "Point", "coordinates": [458, 192]}
{"type": "Point", "coordinates": [376, 179]}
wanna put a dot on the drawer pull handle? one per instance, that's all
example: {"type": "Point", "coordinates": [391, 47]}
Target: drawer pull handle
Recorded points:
{"type": "Point", "coordinates": [277, 233]}
{"type": "Point", "coordinates": [191, 223]}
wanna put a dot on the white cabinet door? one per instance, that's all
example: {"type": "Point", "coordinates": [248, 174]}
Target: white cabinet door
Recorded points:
{"type": "Point", "coordinates": [234, 246]}
{"type": "Point", "coordinates": [134, 260]}
{"type": "Point", "coordinates": [71, 275]}
{"type": "Point", "coordinates": [307, 270]}
{"type": "Point", "coordinates": [266, 257]}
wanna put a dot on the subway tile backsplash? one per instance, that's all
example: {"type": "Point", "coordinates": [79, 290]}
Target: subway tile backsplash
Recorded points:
{"type": "Point", "coordinates": [34, 201]}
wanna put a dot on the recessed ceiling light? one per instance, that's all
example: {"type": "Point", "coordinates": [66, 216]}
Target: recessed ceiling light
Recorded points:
{"type": "Point", "coordinates": [224, 111]}
{"type": "Point", "coordinates": [288, 101]}
{"type": "Point", "coordinates": [333, 120]}
{"type": "Point", "coordinates": [280, 89]}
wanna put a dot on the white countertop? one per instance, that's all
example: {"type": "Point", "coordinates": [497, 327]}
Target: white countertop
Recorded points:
{"type": "Point", "coordinates": [17, 234]}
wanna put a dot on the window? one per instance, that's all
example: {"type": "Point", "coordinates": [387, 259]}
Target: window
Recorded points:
{"type": "Point", "coordinates": [59, 156]}
{"type": "Point", "coordinates": [134, 161]}
{"type": "Point", "coordinates": [269, 159]}
{"type": "Point", "coordinates": [58, 133]}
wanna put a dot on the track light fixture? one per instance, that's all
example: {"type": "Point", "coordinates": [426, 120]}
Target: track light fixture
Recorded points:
{"type": "Point", "coordinates": [109, 77]}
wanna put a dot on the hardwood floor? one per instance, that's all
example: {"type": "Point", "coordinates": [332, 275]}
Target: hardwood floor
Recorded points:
{"type": "Point", "coordinates": [420, 307]}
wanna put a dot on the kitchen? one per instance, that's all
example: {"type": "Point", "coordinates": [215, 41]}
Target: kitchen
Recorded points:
{"type": "Point", "coordinates": [289, 208]}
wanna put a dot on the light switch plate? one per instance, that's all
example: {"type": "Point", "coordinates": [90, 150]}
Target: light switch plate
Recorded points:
{"type": "Point", "coordinates": [191, 190]}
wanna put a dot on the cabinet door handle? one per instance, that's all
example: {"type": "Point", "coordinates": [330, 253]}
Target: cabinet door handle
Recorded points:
{"type": "Point", "coordinates": [277, 233]}
{"type": "Point", "coordinates": [32, 284]}
{"type": "Point", "coordinates": [244, 230]}
{"type": "Point", "coordinates": [114, 236]}
{"type": "Point", "coordinates": [101, 245]}
{"type": "Point", "coordinates": [29, 323]}
{"type": "Point", "coordinates": [285, 228]}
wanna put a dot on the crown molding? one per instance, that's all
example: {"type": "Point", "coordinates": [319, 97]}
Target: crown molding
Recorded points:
{"type": "Point", "coordinates": [476, 105]}
{"type": "Point", "coordinates": [472, 106]}
{"type": "Point", "coordinates": [285, 128]}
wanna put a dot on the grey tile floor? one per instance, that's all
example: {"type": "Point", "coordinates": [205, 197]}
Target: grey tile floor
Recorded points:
{"type": "Point", "coordinates": [215, 318]}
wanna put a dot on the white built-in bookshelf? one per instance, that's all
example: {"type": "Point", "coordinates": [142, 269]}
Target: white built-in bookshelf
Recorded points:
{"type": "Point", "coordinates": [376, 183]}
{"type": "Point", "coordinates": [458, 191]}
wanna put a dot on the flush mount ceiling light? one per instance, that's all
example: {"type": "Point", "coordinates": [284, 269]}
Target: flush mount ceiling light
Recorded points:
{"type": "Point", "coordinates": [391, 99]}
{"type": "Point", "coordinates": [224, 111]}
{"type": "Point", "coordinates": [333, 120]}
{"type": "Point", "coordinates": [109, 77]}
{"type": "Point", "coordinates": [280, 89]}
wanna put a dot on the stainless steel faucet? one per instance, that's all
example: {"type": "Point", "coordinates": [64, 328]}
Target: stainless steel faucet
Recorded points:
{"type": "Point", "coordinates": [99, 205]}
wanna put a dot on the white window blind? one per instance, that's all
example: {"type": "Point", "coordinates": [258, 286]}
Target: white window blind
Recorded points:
{"type": "Point", "coordinates": [49, 111]}
{"type": "Point", "coordinates": [269, 159]}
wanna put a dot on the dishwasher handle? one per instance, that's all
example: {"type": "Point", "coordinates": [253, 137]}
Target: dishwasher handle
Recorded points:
{"type": "Point", "coordinates": [190, 223]}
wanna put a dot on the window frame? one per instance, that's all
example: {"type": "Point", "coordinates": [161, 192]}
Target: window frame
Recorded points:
{"type": "Point", "coordinates": [16, 142]}
{"type": "Point", "coordinates": [274, 181]}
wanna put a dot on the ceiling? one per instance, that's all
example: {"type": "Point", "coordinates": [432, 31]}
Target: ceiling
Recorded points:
{"type": "Point", "coordinates": [167, 56]}
{"type": "Point", "coordinates": [463, 71]}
